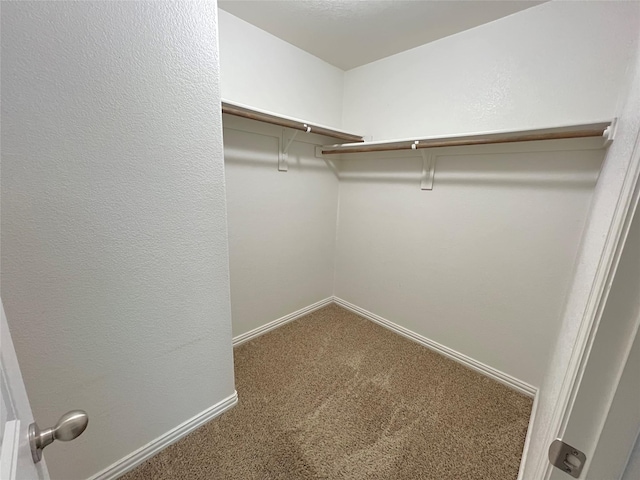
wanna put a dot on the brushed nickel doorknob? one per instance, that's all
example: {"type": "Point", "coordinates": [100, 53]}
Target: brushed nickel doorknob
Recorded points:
{"type": "Point", "coordinates": [70, 426]}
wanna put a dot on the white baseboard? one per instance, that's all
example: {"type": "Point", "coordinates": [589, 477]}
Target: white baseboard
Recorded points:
{"type": "Point", "coordinates": [256, 332]}
{"type": "Point", "coordinates": [134, 459]}
{"type": "Point", "coordinates": [480, 367]}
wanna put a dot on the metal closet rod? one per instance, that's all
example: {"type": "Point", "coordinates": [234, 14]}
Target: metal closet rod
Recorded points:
{"type": "Point", "coordinates": [249, 113]}
{"type": "Point", "coordinates": [558, 133]}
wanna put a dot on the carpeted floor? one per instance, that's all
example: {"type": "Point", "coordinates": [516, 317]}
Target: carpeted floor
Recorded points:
{"type": "Point", "coordinates": [335, 396]}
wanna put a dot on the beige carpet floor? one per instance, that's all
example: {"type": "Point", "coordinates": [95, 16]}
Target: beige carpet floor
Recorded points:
{"type": "Point", "coordinates": [335, 396]}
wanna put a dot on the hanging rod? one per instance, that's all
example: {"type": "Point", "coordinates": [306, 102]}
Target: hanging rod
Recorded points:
{"type": "Point", "coordinates": [261, 116]}
{"type": "Point", "coordinates": [573, 131]}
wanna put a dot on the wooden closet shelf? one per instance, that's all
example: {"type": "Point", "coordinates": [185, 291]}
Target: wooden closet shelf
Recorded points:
{"type": "Point", "coordinates": [572, 131]}
{"type": "Point", "coordinates": [262, 116]}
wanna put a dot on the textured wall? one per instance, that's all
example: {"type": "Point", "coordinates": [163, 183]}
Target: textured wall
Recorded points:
{"type": "Point", "coordinates": [282, 225]}
{"type": "Point", "coordinates": [114, 239]}
{"type": "Point", "coordinates": [557, 63]}
{"type": "Point", "coordinates": [262, 71]}
{"type": "Point", "coordinates": [404, 254]}
{"type": "Point", "coordinates": [486, 258]}
{"type": "Point", "coordinates": [481, 263]}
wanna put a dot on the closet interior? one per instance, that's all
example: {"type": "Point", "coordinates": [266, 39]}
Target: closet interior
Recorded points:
{"type": "Point", "coordinates": [323, 239]}
{"type": "Point", "coordinates": [447, 202]}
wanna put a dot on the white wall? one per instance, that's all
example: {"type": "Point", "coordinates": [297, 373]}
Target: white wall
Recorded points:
{"type": "Point", "coordinates": [282, 225]}
{"type": "Point", "coordinates": [262, 71]}
{"type": "Point", "coordinates": [480, 264]}
{"type": "Point", "coordinates": [501, 274]}
{"type": "Point", "coordinates": [114, 239]}
{"type": "Point", "coordinates": [607, 212]}
{"type": "Point", "coordinates": [557, 63]}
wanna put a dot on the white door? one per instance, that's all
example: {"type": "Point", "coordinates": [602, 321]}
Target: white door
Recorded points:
{"type": "Point", "coordinates": [15, 457]}
{"type": "Point", "coordinates": [604, 419]}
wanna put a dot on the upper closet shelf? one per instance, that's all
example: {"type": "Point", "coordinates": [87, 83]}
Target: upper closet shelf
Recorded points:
{"type": "Point", "coordinates": [600, 129]}
{"type": "Point", "coordinates": [239, 110]}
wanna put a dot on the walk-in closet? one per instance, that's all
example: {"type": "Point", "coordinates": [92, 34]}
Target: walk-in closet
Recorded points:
{"type": "Point", "coordinates": [442, 193]}
{"type": "Point", "coordinates": [323, 239]}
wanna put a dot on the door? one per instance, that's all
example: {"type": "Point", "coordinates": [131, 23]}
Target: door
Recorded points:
{"type": "Point", "coordinates": [21, 440]}
{"type": "Point", "coordinates": [15, 457]}
{"type": "Point", "coordinates": [605, 417]}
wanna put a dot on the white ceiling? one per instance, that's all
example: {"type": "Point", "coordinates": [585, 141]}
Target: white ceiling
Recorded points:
{"type": "Point", "coordinates": [350, 33]}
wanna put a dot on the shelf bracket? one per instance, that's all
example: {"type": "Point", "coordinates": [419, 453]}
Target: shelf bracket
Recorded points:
{"type": "Point", "coordinates": [428, 169]}
{"type": "Point", "coordinates": [609, 133]}
{"type": "Point", "coordinates": [283, 147]}
{"type": "Point", "coordinates": [283, 150]}
{"type": "Point", "coordinates": [332, 166]}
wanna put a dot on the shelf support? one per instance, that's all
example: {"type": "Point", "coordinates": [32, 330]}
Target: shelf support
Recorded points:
{"type": "Point", "coordinates": [332, 166]}
{"type": "Point", "coordinates": [609, 133]}
{"type": "Point", "coordinates": [283, 148]}
{"type": "Point", "coordinates": [428, 169]}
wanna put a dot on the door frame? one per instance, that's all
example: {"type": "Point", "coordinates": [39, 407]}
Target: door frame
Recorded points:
{"type": "Point", "coordinates": [17, 460]}
{"type": "Point", "coordinates": [554, 411]}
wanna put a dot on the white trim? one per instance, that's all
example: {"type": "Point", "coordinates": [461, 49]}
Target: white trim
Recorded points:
{"type": "Point", "coordinates": [134, 459]}
{"type": "Point", "coordinates": [9, 454]}
{"type": "Point", "coordinates": [608, 265]}
{"type": "Point", "coordinates": [527, 440]}
{"type": "Point", "coordinates": [480, 367]}
{"type": "Point", "coordinates": [256, 332]}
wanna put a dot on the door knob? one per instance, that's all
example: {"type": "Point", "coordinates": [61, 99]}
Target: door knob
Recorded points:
{"type": "Point", "coordinates": [70, 426]}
